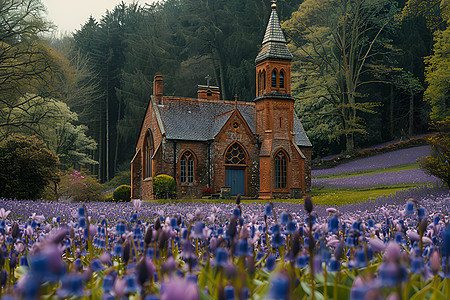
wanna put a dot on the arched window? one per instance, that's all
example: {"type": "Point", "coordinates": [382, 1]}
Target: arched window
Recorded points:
{"type": "Point", "coordinates": [280, 170]}
{"type": "Point", "coordinates": [259, 82]}
{"type": "Point", "coordinates": [274, 78]}
{"type": "Point", "coordinates": [264, 79]}
{"type": "Point", "coordinates": [235, 155]}
{"type": "Point", "coordinates": [187, 167]}
{"type": "Point", "coordinates": [282, 79]}
{"type": "Point", "coordinates": [148, 153]}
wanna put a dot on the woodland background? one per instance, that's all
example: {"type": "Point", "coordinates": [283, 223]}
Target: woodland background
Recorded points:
{"type": "Point", "coordinates": [364, 71]}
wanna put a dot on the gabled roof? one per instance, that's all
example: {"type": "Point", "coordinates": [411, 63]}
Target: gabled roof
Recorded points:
{"type": "Point", "coordinates": [274, 42]}
{"type": "Point", "coordinates": [201, 120]}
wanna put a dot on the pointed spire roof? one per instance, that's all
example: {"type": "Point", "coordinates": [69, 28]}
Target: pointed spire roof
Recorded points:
{"type": "Point", "coordinates": [274, 42]}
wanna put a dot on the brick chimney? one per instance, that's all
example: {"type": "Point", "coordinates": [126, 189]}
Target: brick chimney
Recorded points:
{"type": "Point", "coordinates": [158, 87]}
{"type": "Point", "coordinates": [208, 92]}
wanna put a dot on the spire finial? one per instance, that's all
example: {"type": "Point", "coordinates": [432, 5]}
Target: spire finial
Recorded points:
{"type": "Point", "coordinates": [208, 78]}
{"type": "Point", "coordinates": [274, 4]}
{"type": "Point", "coordinates": [235, 101]}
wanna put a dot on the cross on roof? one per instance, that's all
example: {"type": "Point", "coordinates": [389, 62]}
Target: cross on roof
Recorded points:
{"type": "Point", "coordinates": [208, 78]}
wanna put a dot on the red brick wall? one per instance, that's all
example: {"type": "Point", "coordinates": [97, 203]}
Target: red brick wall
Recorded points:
{"type": "Point", "coordinates": [227, 136]}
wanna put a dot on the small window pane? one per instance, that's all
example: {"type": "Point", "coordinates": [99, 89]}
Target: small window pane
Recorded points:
{"type": "Point", "coordinates": [274, 79]}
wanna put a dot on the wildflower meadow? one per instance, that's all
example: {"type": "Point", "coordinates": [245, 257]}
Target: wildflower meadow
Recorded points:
{"type": "Point", "coordinates": [393, 247]}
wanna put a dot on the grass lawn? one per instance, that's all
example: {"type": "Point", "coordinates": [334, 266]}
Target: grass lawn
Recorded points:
{"type": "Point", "coordinates": [320, 196]}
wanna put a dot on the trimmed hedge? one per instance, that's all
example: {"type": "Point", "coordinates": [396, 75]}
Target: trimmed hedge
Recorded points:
{"type": "Point", "coordinates": [122, 194]}
{"type": "Point", "coordinates": [164, 187]}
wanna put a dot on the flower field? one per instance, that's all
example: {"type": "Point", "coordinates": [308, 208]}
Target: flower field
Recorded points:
{"type": "Point", "coordinates": [393, 247]}
{"type": "Point", "coordinates": [357, 173]}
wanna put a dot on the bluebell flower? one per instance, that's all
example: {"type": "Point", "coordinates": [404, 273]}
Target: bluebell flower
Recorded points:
{"type": "Point", "coordinates": [236, 212]}
{"type": "Point", "coordinates": [242, 248]}
{"type": "Point", "coordinates": [107, 284]}
{"type": "Point", "coordinates": [277, 240]}
{"type": "Point", "coordinates": [268, 210]}
{"type": "Point", "coordinates": [360, 259]}
{"type": "Point", "coordinates": [334, 265]}
{"type": "Point", "coordinates": [133, 218]}
{"type": "Point", "coordinates": [244, 294]}
{"type": "Point", "coordinates": [198, 230]}
{"type": "Point", "coordinates": [137, 233]}
{"type": "Point", "coordinates": [399, 238]}
{"type": "Point", "coordinates": [445, 246]}
{"type": "Point", "coordinates": [97, 266]}
{"type": "Point", "coordinates": [391, 274]}
{"type": "Point", "coordinates": [33, 224]}
{"type": "Point", "coordinates": [333, 224]}
{"type": "Point", "coordinates": [291, 227]}
{"type": "Point", "coordinates": [279, 287]}
{"type": "Point", "coordinates": [81, 223]}
{"type": "Point", "coordinates": [421, 212]}
{"type": "Point", "coordinates": [229, 292]}
{"type": "Point", "coordinates": [120, 228]}
{"type": "Point", "coordinates": [416, 265]}
{"type": "Point", "coordinates": [370, 223]}
{"type": "Point", "coordinates": [221, 257]}
{"type": "Point", "coordinates": [173, 223]}
{"type": "Point", "coordinates": [9, 240]}
{"type": "Point", "coordinates": [24, 261]}
{"type": "Point", "coordinates": [131, 285]}
{"type": "Point", "coordinates": [117, 250]}
{"type": "Point", "coordinates": [71, 285]}
{"type": "Point", "coordinates": [81, 212]}
{"type": "Point", "coordinates": [77, 264]}
{"type": "Point", "coordinates": [284, 218]}
{"type": "Point", "coordinates": [58, 219]}
{"type": "Point", "coordinates": [259, 256]}
{"type": "Point", "coordinates": [409, 207]}
{"type": "Point", "coordinates": [302, 261]}
{"type": "Point", "coordinates": [270, 263]}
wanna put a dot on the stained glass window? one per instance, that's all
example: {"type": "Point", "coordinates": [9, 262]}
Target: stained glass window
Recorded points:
{"type": "Point", "coordinates": [235, 155]}
{"type": "Point", "coordinates": [280, 170]}
{"type": "Point", "coordinates": [148, 153]}
{"type": "Point", "coordinates": [187, 167]}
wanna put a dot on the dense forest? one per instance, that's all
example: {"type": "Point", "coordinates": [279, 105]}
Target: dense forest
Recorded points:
{"type": "Point", "coordinates": [364, 71]}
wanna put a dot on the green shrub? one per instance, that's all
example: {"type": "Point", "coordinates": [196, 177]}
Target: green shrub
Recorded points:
{"type": "Point", "coordinates": [438, 163]}
{"type": "Point", "coordinates": [26, 168]}
{"type": "Point", "coordinates": [122, 193]}
{"type": "Point", "coordinates": [164, 187]}
{"type": "Point", "coordinates": [80, 187]}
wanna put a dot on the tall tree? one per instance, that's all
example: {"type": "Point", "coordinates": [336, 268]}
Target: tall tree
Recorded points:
{"type": "Point", "coordinates": [334, 42]}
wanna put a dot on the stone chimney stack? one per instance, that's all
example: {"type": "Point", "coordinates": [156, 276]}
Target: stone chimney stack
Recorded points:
{"type": "Point", "coordinates": [158, 87]}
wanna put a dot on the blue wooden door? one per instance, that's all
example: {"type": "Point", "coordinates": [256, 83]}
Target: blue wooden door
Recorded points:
{"type": "Point", "coordinates": [235, 178]}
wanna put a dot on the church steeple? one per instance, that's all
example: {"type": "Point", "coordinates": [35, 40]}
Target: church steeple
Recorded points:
{"type": "Point", "coordinates": [274, 42]}
{"type": "Point", "coordinates": [273, 62]}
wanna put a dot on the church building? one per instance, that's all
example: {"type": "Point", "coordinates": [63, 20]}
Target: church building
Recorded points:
{"type": "Point", "coordinates": [257, 148]}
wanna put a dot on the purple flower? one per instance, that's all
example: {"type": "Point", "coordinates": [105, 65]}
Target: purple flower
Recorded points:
{"type": "Point", "coordinates": [178, 288]}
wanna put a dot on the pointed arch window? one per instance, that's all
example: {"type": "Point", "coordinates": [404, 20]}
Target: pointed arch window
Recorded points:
{"type": "Point", "coordinates": [187, 167]}
{"type": "Point", "coordinates": [280, 170]}
{"type": "Point", "coordinates": [235, 155]}
{"type": "Point", "coordinates": [274, 78]}
{"type": "Point", "coordinates": [259, 82]}
{"type": "Point", "coordinates": [148, 154]}
{"type": "Point", "coordinates": [264, 80]}
{"type": "Point", "coordinates": [282, 79]}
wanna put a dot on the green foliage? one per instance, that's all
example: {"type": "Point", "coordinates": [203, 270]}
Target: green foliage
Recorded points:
{"type": "Point", "coordinates": [122, 178]}
{"type": "Point", "coordinates": [122, 194]}
{"type": "Point", "coordinates": [26, 167]}
{"type": "Point", "coordinates": [438, 77]}
{"type": "Point", "coordinates": [335, 44]}
{"type": "Point", "coordinates": [164, 187]}
{"type": "Point", "coordinates": [80, 187]}
{"type": "Point", "coordinates": [438, 163]}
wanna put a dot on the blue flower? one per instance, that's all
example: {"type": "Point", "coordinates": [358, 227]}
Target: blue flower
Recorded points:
{"type": "Point", "coordinates": [108, 282]}
{"type": "Point", "coordinates": [360, 259]}
{"type": "Point", "coordinates": [333, 224]}
{"type": "Point", "coordinates": [268, 210]}
{"type": "Point", "coordinates": [270, 263]}
{"type": "Point", "coordinates": [229, 292]}
{"type": "Point", "coordinates": [221, 257]}
{"type": "Point", "coordinates": [97, 266]}
{"type": "Point", "coordinates": [334, 265]}
{"type": "Point", "coordinates": [416, 265]}
{"type": "Point", "coordinates": [291, 227]}
{"type": "Point", "coordinates": [120, 228]}
{"type": "Point", "coordinates": [198, 230]}
{"type": "Point", "coordinates": [173, 223]}
{"type": "Point", "coordinates": [81, 223]}
{"type": "Point", "coordinates": [117, 250]}
{"type": "Point", "coordinates": [277, 240]}
{"type": "Point", "coordinates": [279, 287]}
{"type": "Point", "coordinates": [81, 212]}
{"type": "Point", "coordinates": [421, 212]}
{"type": "Point", "coordinates": [409, 207]}
{"type": "Point", "coordinates": [236, 212]}
{"type": "Point", "coordinates": [71, 285]}
{"type": "Point", "coordinates": [131, 285]}
{"type": "Point", "coordinates": [284, 218]}
{"type": "Point", "coordinates": [242, 248]}
{"type": "Point", "coordinates": [302, 261]}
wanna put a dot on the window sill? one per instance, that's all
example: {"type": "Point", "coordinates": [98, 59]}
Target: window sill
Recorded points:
{"type": "Point", "coordinates": [148, 179]}
{"type": "Point", "coordinates": [187, 184]}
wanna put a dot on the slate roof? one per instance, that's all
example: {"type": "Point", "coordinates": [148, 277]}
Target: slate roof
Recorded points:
{"type": "Point", "coordinates": [200, 120]}
{"type": "Point", "coordinates": [274, 42]}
